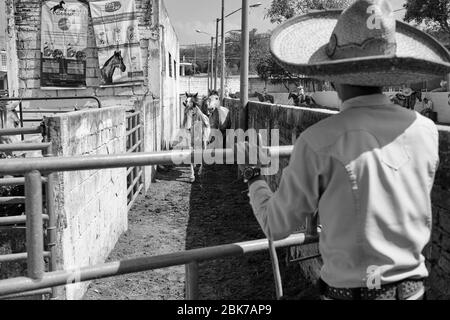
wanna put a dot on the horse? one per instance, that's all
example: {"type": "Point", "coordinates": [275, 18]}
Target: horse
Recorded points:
{"type": "Point", "coordinates": [235, 95]}
{"type": "Point", "coordinates": [193, 116]}
{"type": "Point", "coordinates": [107, 71]}
{"type": "Point", "coordinates": [9, 119]}
{"type": "Point", "coordinates": [219, 116]}
{"type": "Point", "coordinates": [264, 97]}
{"type": "Point", "coordinates": [59, 6]}
{"type": "Point", "coordinates": [300, 99]}
{"type": "Point", "coordinates": [407, 102]}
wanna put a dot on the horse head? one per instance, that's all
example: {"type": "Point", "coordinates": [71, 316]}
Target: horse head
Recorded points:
{"type": "Point", "coordinates": [212, 102]}
{"type": "Point", "coordinates": [119, 61]}
{"type": "Point", "coordinates": [9, 119]}
{"type": "Point", "coordinates": [8, 115]}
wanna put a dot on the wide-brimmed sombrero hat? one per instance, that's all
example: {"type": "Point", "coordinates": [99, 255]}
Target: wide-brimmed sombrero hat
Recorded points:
{"type": "Point", "coordinates": [362, 45]}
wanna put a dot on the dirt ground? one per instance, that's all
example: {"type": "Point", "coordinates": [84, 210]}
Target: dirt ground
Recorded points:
{"type": "Point", "coordinates": [176, 215]}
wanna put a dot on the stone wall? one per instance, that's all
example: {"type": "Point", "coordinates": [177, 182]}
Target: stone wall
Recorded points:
{"type": "Point", "coordinates": [91, 205]}
{"type": "Point", "coordinates": [292, 121]}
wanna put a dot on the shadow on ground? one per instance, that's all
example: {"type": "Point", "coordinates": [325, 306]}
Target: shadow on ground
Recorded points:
{"type": "Point", "coordinates": [219, 213]}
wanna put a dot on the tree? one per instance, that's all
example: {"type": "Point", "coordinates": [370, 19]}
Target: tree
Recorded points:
{"type": "Point", "coordinates": [281, 10]}
{"type": "Point", "coordinates": [433, 15]}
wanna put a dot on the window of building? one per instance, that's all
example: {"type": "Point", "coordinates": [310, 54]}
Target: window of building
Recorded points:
{"type": "Point", "coordinates": [170, 65]}
{"type": "Point", "coordinates": [3, 62]}
{"type": "Point", "coordinates": [175, 69]}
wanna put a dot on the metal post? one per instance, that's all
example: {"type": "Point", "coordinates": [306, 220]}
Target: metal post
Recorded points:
{"type": "Point", "coordinates": [34, 232]}
{"type": "Point", "coordinates": [51, 228]}
{"type": "Point", "coordinates": [212, 63]}
{"type": "Point", "coordinates": [222, 76]}
{"type": "Point", "coordinates": [216, 68]}
{"type": "Point", "coordinates": [21, 118]}
{"type": "Point", "coordinates": [245, 47]}
{"type": "Point", "coordinates": [192, 281]}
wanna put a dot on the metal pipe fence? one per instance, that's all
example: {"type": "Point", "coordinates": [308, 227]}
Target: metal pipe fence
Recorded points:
{"type": "Point", "coordinates": [38, 279]}
{"type": "Point", "coordinates": [35, 214]}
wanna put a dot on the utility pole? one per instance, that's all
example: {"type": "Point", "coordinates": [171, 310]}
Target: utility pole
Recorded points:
{"type": "Point", "coordinates": [245, 56]}
{"type": "Point", "coordinates": [222, 76]}
{"type": "Point", "coordinates": [216, 69]}
{"type": "Point", "coordinates": [212, 63]}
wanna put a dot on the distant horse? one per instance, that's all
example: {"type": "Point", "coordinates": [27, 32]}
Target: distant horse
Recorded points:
{"type": "Point", "coordinates": [236, 95]}
{"type": "Point", "coordinates": [193, 116]}
{"type": "Point", "coordinates": [264, 97]}
{"type": "Point", "coordinates": [9, 119]}
{"type": "Point", "coordinates": [300, 99]}
{"type": "Point", "coordinates": [407, 101]}
{"type": "Point", "coordinates": [107, 71]}
{"type": "Point", "coordinates": [219, 116]}
{"type": "Point", "coordinates": [59, 6]}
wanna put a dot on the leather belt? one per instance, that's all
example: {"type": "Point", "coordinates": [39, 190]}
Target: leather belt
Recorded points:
{"type": "Point", "coordinates": [394, 291]}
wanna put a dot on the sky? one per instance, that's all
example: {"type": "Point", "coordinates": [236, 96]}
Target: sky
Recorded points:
{"type": "Point", "coordinates": [189, 15]}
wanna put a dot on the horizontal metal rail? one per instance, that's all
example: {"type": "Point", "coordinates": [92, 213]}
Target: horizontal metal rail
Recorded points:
{"type": "Point", "coordinates": [91, 162]}
{"type": "Point", "coordinates": [134, 182]}
{"type": "Point", "coordinates": [44, 111]}
{"type": "Point", "coordinates": [99, 104]}
{"type": "Point", "coordinates": [132, 115]}
{"type": "Point", "coordinates": [134, 197]}
{"type": "Point", "coordinates": [16, 181]}
{"type": "Point", "coordinates": [17, 131]}
{"type": "Point", "coordinates": [18, 257]}
{"type": "Point", "coordinates": [24, 147]}
{"type": "Point", "coordinates": [135, 147]}
{"type": "Point", "coordinates": [11, 220]}
{"type": "Point", "coordinates": [129, 133]}
{"type": "Point", "coordinates": [12, 200]}
{"type": "Point", "coordinates": [105, 270]}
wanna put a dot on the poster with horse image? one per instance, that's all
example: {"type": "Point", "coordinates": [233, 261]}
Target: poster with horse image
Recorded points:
{"type": "Point", "coordinates": [117, 38]}
{"type": "Point", "coordinates": [64, 32]}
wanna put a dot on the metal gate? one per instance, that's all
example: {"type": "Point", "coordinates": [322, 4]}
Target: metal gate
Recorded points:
{"type": "Point", "coordinates": [135, 175]}
{"type": "Point", "coordinates": [45, 206]}
{"type": "Point", "coordinates": [38, 279]}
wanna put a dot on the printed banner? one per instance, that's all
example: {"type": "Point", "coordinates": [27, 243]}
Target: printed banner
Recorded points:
{"type": "Point", "coordinates": [117, 37]}
{"type": "Point", "coordinates": [64, 30]}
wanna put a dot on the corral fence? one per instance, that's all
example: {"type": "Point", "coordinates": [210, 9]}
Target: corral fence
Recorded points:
{"type": "Point", "coordinates": [37, 279]}
{"type": "Point", "coordinates": [23, 112]}
{"type": "Point", "coordinates": [134, 138]}
{"type": "Point", "coordinates": [45, 236]}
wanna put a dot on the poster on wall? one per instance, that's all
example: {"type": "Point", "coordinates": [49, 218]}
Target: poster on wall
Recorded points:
{"type": "Point", "coordinates": [64, 31]}
{"type": "Point", "coordinates": [117, 38]}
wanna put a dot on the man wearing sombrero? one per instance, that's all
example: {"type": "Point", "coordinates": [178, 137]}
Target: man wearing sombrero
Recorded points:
{"type": "Point", "coordinates": [368, 171]}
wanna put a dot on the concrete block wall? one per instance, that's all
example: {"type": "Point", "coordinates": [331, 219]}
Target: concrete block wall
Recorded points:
{"type": "Point", "coordinates": [292, 121]}
{"type": "Point", "coordinates": [150, 110]}
{"type": "Point", "coordinates": [91, 205]}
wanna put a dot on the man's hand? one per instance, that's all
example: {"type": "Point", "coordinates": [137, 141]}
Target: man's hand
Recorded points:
{"type": "Point", "coordinates": [252, 152]}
